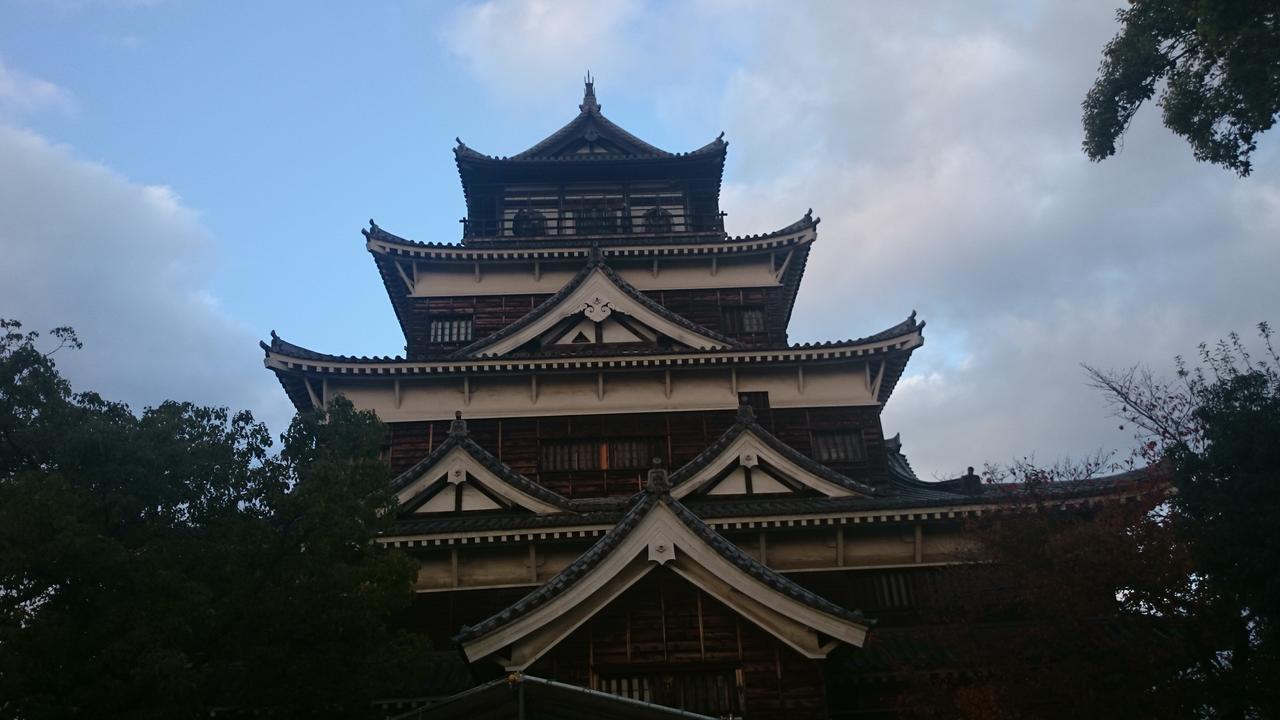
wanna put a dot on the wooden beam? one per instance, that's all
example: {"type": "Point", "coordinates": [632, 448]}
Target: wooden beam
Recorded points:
{"type": "Point", "coordinates": [315, 399]}
{"type": "Point", "coordinates": [785, 264]}
{"type": "Point", "coordinates": [919, 543]}
{"type": "Point", "coordinates": [702, 641]}
{"type": "Point", "coordinates": [453, 566]}
{"type": "Point", "coordinates": [840, 546]}
{"type": "Point", "coordinates": [324, 393]}
{"type": "Point", "coordinates": [533, 563]}
{"type": "Point", "coordinates": [537, 271]}
{"type": "Point", "coordinates": [667, 379]}
{"type": "Point", "coordinates": [405, 277]}
{"type": "Point", "coordinates": [714, 265]}
{"type": "Point", "coordinates": [397, 393]}
{"type": "Point", "coordinates": [533, 389]}
{"type": "Point", "coordinates": [599, 385]}
{"type": "Point", "coordinates": [655, 267]}
{"type": "Point", "coordinates": [875, 386]}
{"type": "Point", "coordinates": [733, 381]}
{"type": "Point", "coordinates": [466, 389]}
{"type": "Point", "coordinates": [800, 379]}
{"type": "Point", "coordinates": [764, 552]}
{"type": "Point", "coordinates": [477, 270]}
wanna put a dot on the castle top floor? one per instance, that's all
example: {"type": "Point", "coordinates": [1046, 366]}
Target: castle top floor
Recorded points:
{"type": "Point", "coordinates": [592, 179]}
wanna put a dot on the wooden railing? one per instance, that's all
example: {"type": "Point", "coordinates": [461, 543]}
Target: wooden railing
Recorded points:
{"type": "Point", "coordinates": [718, 693]}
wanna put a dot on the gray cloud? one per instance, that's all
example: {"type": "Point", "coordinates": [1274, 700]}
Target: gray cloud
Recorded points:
{"type": "Point", "coordinates": [940, 142]}
{"type": "Point", "coordinates": [125, 264]}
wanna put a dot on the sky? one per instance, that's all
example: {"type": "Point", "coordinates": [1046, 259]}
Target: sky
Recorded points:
{"type": "Point", "coordinates": [179, 178]}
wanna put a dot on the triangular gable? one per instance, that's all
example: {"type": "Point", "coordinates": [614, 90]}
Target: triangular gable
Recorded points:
{"type": "Point", "coordinates": [748, 460]}
{"type": "Point", "coordinates": [604, 308]}
{"type": "Point", "coordinates": [660, 531]}
{"type": "Point", "coordinates": [461, 476]}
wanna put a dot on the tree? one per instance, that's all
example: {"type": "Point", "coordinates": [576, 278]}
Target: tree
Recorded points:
{"type": "Point", "coordinates": [1163, 607]}
{"type": "Point", "coordinates": [1218, 424]}
{"type": "Point", "coordinates": [166, 564]}
{"type": "Point", "coordinates": [1219, 62]}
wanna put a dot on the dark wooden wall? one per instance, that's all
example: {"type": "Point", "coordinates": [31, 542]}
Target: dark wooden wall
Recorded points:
{"type": "Point", "coordinates": [681, 434]}
{"type": "Point", "coordinates": [490, 313]}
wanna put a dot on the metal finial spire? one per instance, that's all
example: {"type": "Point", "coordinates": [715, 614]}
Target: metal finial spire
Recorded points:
{"type": "Point", "coordinates": [589, 103]}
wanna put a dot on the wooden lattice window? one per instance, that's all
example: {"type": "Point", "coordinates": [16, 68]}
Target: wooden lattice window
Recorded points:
{"type": "Point", "coordinates": [528, 223]}
{"type": "Point", "coordinates": [744, 319]}
{"type": "Point", "coordinates": [657, 220]}
{"type": "Point", "coordinates": [837, 446]}
{"type": "Point", "coordinates": [450, 329]}
{"type": "Point", "coordinates": [598, 454]}
{"type": "Point", "coordinates": [595, 220]}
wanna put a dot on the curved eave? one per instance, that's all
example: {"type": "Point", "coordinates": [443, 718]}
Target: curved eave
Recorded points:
{"type": "Point", "coordinates": [387, 248]}
{"type": "Point", "coordinates": [283, 356]}
{"type": "Point", "coordinates": [466, 155]}
{"type": "Point", "coordinates": [904, 505]}
{"type": "Point", "coordinates": [380, 242]}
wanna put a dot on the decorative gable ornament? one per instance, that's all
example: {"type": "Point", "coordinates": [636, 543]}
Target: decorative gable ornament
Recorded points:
{"type": "Point", "coordinates": [597, 309]}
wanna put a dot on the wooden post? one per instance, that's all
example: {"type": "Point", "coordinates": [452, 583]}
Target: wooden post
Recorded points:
{"type": "Point", "coordinates": [919, 543]}
{"type": "Point", "coordinates": [840, 546]}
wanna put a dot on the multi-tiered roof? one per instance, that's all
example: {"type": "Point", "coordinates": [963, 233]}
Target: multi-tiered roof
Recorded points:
{"type": "Point", "coordinates": [594, 315]}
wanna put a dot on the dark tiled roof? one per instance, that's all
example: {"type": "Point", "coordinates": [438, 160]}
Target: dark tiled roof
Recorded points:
{"type": "Point", "coordinates": [283, 347]}
{"type": "Point", "coordinates": [644, 504]}
{"type": "Point", "coordinates": [746, 422]}
{"type": "Point", "coordinates": [566, 577]}
{"type": "Point", "coordinates": [458, 438]}
{"type": "Point", "coordinates": [897, 496]}
{"type": "Point", "coordinates": [595, 263]}
{"type": "Point", "coordinates": [588, 121]}
{"type": "Point", "coordinates": [583, 243]}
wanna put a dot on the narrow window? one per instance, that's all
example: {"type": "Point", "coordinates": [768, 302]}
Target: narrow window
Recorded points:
{"type": "Point", "coordinates": [451, 329]}
{"type": "Point", "coordinates": [836, 446]}
{"type": "Point", "coordinates": [744, 319]}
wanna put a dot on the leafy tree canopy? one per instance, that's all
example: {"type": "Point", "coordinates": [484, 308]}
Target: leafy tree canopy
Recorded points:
{"type": "Point", "coordinates": [1164, 607]}
{"type": "Point", "coordinates": [168, 563]}
{"type": "Point", "coordinates": [1219, 63]}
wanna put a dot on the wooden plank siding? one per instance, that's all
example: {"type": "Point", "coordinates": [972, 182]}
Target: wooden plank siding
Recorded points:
{"type": "Point", "coordinates": [682, 435]}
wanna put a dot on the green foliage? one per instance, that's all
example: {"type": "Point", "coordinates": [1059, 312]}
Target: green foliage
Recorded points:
{"type": "Point", "coordinates": [1163, 607]}
{"type": "Point", "coordinates": [167, 564]}
{"type": "Point", "coordinates": [1219, 62]}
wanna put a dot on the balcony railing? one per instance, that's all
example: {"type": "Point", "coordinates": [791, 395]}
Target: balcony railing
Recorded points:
{"type": "Point", "coordinates": [603, 222]}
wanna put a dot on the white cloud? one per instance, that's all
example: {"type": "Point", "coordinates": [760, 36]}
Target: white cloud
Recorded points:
{"type": "Point", "coordinates": [126, 265]}
{"type": "Point", "coordinates": [516, 47]}
{"type": "Point", "coordinates": [940, 143]}
{"type": "Point", "coordinates": [20, 93]}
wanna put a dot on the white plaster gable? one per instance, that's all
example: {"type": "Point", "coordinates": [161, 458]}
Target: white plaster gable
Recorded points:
{"type": "Point", "coordinates": [748, 453]}
{"type": "Point", "coordinates": [597, 299]}
{"type": "Point", "coordinates": [459, 468]}
{"type": "Point", "coordinates": [662, 539]}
